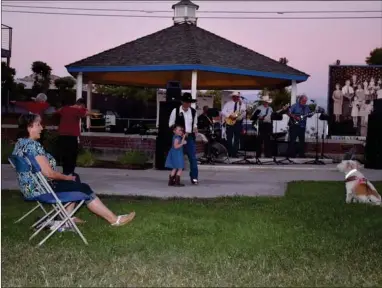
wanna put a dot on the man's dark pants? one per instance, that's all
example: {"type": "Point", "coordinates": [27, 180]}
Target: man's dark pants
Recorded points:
{"type": "Point", "coordinates": [233, 133]}
{"type": "Point", "coordinates": [296, 131]}
{"type": "Point", "coordinates": [265, 131]}
{"type": "Point", "coordinates": [68, 151]}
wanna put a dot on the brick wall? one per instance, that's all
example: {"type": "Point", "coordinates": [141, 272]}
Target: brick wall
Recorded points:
{"type": "Point", "coordinates": [148, 144]}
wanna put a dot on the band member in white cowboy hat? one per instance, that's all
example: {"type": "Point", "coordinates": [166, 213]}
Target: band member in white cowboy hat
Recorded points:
{"type": "Point", "coordinates": [264, 112]}
{"type": "Point", "coordinates": [186, 117]}
{"type": "Point", "coordinates": [234, 111]}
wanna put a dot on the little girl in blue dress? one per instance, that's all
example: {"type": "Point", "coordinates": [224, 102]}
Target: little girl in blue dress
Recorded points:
{"type": "Point", "coordinates": [175, 158]}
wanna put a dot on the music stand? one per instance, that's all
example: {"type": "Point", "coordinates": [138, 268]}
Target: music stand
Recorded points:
{"type": "Point", "coordinates": [323, 117]}
{"type": "Point", "coordinates": [279, 117]}
{"type": "Point", "coordinates": [246, 157]}
{"type": "Point", "coordinates": [316, 160]}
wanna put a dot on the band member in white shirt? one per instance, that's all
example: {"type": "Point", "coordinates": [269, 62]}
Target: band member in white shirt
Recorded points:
{"type": "Point", "coordinates": [186, 117]}
{"type": "Point", "coordinates": [264, 112]}
{"type": "Point", "coordinates": [234, 111]}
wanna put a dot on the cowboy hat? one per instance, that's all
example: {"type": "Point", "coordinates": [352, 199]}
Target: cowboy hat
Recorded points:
{"type": "Point", "coordinates": [235, 94]}
{"type": "Point", "coordinates": [266, 98]}
{"type": "Point", "coordinates": [187, 98]}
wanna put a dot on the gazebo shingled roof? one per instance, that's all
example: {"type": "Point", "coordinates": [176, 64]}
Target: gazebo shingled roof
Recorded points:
{"type": "Point", "coordinates": [173, 53]}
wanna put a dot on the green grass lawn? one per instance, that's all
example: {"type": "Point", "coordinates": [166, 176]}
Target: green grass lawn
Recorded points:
{"type": "Point", "coordinates": [308, 238]}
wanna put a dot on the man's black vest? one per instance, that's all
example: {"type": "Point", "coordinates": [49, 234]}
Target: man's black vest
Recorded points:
{"type": "Point", "coordinates": [179, 118]}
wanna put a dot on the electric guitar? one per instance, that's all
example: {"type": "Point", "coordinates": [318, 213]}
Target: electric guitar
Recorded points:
{"type": "Point", "coordinates": [267, 118]}
{"type": "Point", "coordinates": [234, 117]}
{"type": "Point", "coordinates": [292, 121]}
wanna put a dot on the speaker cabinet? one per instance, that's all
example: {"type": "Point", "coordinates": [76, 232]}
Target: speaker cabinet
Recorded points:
{"type": "Point", "coordinates": [377, 106]}
{"type": "Point", "coordinates": [165, 109]}
{"type": "Point", "coordinates": [164, 139]}
{"type": "Point", "coordinates": [173, 91]}
{"type": "Point", "coordinates": [162, 146]}
{"type": "Point", "coordinates": [373, 148]}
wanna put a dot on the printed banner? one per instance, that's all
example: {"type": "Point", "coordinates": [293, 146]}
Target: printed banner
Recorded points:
{"type": "Point", "coordinates": [351, 92]}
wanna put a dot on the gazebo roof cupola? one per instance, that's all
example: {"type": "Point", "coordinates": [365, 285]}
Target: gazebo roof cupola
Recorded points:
{"type": "Point", "coordinates": [185, 11]}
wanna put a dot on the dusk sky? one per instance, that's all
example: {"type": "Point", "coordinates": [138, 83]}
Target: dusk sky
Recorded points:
{"type": "Point", "coordinates": [310, 45]}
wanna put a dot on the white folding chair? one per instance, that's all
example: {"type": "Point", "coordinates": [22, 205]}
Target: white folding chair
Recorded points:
{"type": "Point", "coordinates": [59, 201]}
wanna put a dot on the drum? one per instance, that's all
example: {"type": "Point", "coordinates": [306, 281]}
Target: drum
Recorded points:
{"type": "Point", "coordinates": [216, 131]}
{"type": "Point", "coordinates": [219, 151]}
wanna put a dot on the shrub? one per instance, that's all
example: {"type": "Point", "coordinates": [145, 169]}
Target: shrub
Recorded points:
{"type": "Point", "coordinates": [85, 158]}
{"type": "Point", "coordinates": [133, 158]}
{"type": "Point", "coordinates": [50, 143]}
{"type": "Point", "coordinates": [6, 150]}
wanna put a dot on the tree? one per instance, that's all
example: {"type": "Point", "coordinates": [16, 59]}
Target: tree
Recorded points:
{"type": "Point", "coordinates": [65, 83]}
{"type": "Point", "coordinates": [217, 98]}
{"type": "Point", "coordinates": [375, 57]}
{"type": "Point", "coordinates": [7, 77]}
{"type": "Point", "coordinates": [138, 93]}
{"type": "Point", "coordinates": [65, 87]}
{"type": "Point", "coordinates": [280, 97]}
{"type": "Point", "coordinates": [9, 87]}
{"type": "Point", "coordinates": [42, 77]}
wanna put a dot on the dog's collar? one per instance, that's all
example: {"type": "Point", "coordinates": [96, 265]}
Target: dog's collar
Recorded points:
{"type": "Point", "coordinates": [349, 173]}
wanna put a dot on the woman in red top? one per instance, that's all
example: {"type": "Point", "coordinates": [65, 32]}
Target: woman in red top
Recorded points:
{"type": "Point", "coordinates": [69, 131]}
{"type": "Point", "coordinates": [38, 106]}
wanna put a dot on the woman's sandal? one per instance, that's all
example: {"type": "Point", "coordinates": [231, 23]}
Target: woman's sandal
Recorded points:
{"type": "Point", "coordinates": [128, 219]}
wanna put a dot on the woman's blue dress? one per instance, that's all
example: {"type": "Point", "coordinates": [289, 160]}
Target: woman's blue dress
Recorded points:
{"type": "Point", "coordinates": [175, 158]}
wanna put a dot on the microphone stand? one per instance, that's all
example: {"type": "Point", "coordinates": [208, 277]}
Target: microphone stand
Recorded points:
{"type": "Point", "coordinates": [316, 160]}
{"type": "Point", "coordinates": [323, 141]}
{"type": "Point", "coordinates": [245, 159]}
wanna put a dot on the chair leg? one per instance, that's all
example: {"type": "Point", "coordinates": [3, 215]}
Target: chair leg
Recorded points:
{"type": "Point", "coordinates": [44, 225]}
{"type": "Point", "coordinates": [67, 218]}
{"type": "Point", "coordinates": [42, 207]}
{"type": "Point", "coordinates": [47, 214]}
{"type": "Point", "coordinates": [26, 215]}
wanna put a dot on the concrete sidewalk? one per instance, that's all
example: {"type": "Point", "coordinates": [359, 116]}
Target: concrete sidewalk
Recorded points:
{"type": "Point", "coordinates": [215, 180]}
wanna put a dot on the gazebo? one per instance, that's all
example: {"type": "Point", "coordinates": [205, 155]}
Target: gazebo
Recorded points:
{"type": "Point", "coordinates": [186, 53]}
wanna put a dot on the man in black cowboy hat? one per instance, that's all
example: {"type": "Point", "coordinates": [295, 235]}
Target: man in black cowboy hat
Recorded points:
{"type": "Point", "coordinates": [186, 117]}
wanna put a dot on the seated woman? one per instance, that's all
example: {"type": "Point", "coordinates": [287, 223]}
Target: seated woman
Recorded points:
{"type": "Point", "coordinates": [30, 130]}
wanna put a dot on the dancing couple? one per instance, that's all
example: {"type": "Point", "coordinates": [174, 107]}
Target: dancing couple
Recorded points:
{"type": "Point", "coordinates": [183, 120]}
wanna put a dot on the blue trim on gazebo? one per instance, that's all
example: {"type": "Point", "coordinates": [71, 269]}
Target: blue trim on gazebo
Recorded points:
{"type": "Point", "coordinates": [186, 67]}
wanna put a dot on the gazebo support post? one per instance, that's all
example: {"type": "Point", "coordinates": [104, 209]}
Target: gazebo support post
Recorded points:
{"type": "Point", "coordinates": [79, 86]}
{"type": "Point", "coordinates": [293, 92]}
{"type": "Point", "coordinates": [89, 102]}
{"type": "Point", "coordinates": [194, 81]}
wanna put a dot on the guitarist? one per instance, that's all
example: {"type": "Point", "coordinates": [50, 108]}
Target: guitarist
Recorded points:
{"type": "Point", "coordinates": [298, 129]}
{"type": "Point", "coordinates": [264, 112]}
{"type": "Point", "coordinates": [234, 110]}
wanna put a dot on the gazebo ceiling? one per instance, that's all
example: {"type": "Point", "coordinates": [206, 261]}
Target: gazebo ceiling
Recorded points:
{"type": "Point", "coordinates": [172, 53]}
{"type": "Point", "coordinates": [206, 80]}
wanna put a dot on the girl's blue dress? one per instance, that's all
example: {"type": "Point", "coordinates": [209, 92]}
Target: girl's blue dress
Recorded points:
{"type": "Point", "coordinates": [175, 158]}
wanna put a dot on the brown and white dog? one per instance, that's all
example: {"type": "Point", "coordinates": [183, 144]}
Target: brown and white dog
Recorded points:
{"type": "Point", "coordinates": [358, 188]}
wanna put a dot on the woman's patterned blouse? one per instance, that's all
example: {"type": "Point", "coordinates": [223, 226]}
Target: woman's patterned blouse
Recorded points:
{"type": "Point", "coordinates": [27, 184]}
